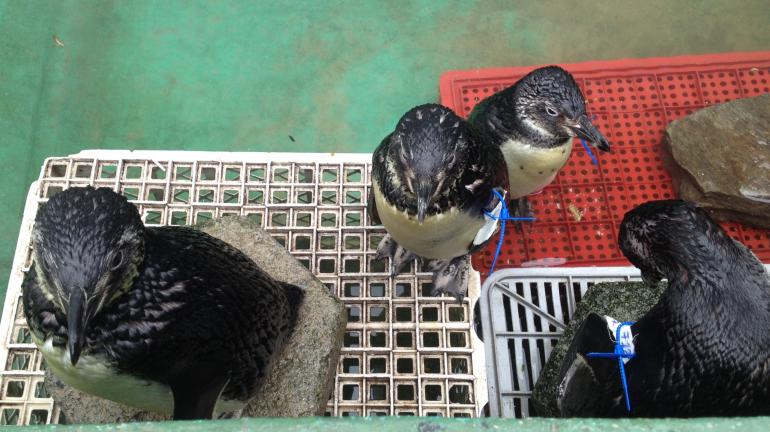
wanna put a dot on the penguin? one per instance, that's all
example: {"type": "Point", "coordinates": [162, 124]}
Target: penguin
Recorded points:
{"type": "Point", "coordinates": [703, 349]}
{"type": "Point", "coordinates": [166, 319]}
{"type": "Point", "coordinates": [432, 180]}
{"type": "Point", "coordinates": [534, 122]}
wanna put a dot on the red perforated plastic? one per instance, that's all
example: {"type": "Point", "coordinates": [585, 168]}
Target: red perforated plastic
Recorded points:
{"type": "Point", "coordinates": [633, 100]}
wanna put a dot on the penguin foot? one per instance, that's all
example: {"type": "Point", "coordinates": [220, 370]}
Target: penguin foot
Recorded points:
{"type": "Point", "coordinates": [400, 257]}
{"type": "Point", "coordinates": [520, 208]}
{"type": "Point", "coordinates": [230, 415]}
{"type": "Point", "coordinates": [451, 277]}
{"type": "Point", "coordinates": [431, 265]}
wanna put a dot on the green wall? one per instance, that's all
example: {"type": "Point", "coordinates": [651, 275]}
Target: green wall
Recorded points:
{"type": "Point", "coordinates": [244, 75]}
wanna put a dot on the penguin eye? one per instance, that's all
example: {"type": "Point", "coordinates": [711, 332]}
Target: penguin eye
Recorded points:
{"type": "Point", "coordinates": [117, 260]}
{"type": "Point", "coordinates": [551, 112]}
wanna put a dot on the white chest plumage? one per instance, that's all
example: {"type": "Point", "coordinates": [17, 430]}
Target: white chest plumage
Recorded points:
{"type": "Point", "coordinates": [442, 236]}
{"type": "Point", "coordinates": [93, 375]}
{"type": "Point", "coordinates": [530, 168]}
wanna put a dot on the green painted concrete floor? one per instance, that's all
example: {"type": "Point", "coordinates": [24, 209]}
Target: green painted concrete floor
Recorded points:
{"type": "Point", "coordinates": [244, 75]}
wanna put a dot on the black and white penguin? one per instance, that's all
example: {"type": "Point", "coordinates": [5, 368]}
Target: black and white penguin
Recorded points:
{"type": "Point", "coordinates": [703, 349]}
{"type": "Point", "coordinates": [165, 319]}
{"type": "Point", "coordinates": [534, 122]}
{"type": "Point", "coordinates": [432, 179]}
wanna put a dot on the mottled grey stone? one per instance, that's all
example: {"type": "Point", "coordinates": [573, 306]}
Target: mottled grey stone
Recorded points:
{"type": "Point", "coordinates": [303, 376]}
{"type": "Point", "coordinates": [719, 158]}
{"type": "Point", "coordinates": [82, 408]}
{"type": "Point", "coordinates": [624, 301]}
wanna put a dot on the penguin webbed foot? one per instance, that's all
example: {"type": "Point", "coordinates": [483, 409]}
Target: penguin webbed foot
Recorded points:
{"type": "Point", "coordinates": [233, 415]}
{"type": "Point", "coordinates": [400, 257]}
{"type": "Point", "coordinates": [520, 208]}
{"type": "Point", "coordinates": [450, 276]}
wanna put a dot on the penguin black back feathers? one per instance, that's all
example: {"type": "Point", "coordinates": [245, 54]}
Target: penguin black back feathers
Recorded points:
{"type": "Point", "coordinates": [166, 319]}
{"type": "Point", "coordinates": [704, 348]}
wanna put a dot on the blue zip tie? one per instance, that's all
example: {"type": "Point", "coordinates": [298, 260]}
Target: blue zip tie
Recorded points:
{"type": "Point", "coordinates": [503, 217]}
{"type": "Point", "coordinates": [590, 153]}
{"type": "Point", "coordinates": [620, 355]}
{"type": "Point", "coordinates": [588, 149]}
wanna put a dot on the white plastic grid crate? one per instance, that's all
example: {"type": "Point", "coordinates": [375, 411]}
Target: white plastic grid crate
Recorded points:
{"type": "Point", "coordinates": [523, 313]}
{"type": "Point", "coordinates": [404, 353]}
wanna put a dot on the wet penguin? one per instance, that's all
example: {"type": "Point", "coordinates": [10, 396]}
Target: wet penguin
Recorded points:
{"type": "Point", "coordinates": [534, 123]}
{"type": "Point", "coordinates": [703, 349]}
{"type": "Point", "coordinates": [165, 319]}
{"type": "Point", "coordinates": [432, 179]}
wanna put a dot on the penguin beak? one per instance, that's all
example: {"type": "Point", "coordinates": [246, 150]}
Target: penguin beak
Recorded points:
{"type": "Point", "coordinates": [76, 314]}
{"type": "Point", "coordinates": [424, 194]}
{"type": "Point", "coordinates": [584, 129]}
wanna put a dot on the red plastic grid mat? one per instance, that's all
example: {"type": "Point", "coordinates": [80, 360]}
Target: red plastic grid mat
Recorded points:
{"type": "Point", "coordinates": [633, 101]}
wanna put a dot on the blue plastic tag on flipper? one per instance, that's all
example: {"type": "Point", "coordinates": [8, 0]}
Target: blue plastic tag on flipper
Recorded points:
{"type": "Point", "coordinates": [625, 334]}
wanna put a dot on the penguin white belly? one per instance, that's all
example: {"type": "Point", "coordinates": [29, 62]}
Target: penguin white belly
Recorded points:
{"type": "Point", "coordinates": [441, 236]}
{"type": "Point", "coordinates": [93, 375]}
{"type": "Point", "coordinates": [530, 168]}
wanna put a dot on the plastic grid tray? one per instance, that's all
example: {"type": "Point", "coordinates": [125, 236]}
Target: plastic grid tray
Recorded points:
{"type": "Point", "coordinates": [523, 314]}
{"type": "Point", "coordinates": [633, 101]}
{"type": "Point", "coordinates": [404, 353]}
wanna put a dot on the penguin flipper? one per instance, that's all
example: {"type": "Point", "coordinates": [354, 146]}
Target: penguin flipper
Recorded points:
{"type": "Point", "coordinates": [371, 207]}
{"type": "Point", "coordinates": [400, 257]}
{"type": "Point", "coordinates": [578, 391]}
{"type": "Point", "coordinates": [581, 379]}
{"type": "Point", "coordinates": [450, 276]}
{"type": "Point", "coordinates": [194, 397]}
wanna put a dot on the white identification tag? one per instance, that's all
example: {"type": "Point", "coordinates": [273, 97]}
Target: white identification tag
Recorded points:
{"type": "Point", "coordinates": [488, 229]}
{"type": "Point", "coordinates": [626, 337]}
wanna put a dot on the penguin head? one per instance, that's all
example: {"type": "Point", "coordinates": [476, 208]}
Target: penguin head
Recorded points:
{"type": "Point", "coordinates": [661, 237]}
{"type": "Point", "coordinates": [426, 151]}
{"type": "Point", "coordinates": [88, 245]}
{"type": "Point", "coordinates": [549, 103]}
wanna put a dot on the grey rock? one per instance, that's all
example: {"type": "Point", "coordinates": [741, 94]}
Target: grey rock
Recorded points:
{"type": "Point", "coordinates": [719, 158]}
{"type": "Point", "coordinates": [303, 376]}
{"type": "Point", "coordinates": [624, 301]}
{"type": "Point", "coordinates": [82, 408]}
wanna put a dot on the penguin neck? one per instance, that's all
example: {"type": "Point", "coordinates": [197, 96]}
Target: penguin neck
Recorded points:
{"type": "Point", "coordinates": [537, 136]}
